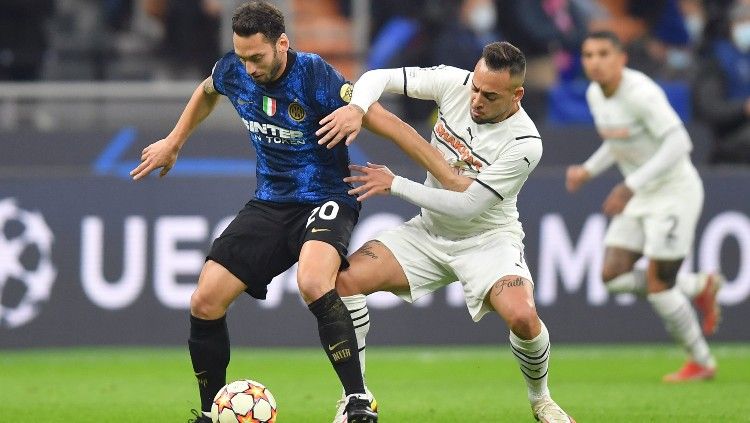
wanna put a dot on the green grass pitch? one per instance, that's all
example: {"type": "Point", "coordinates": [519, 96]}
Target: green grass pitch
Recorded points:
{"type": "Point", "coordinates": [416, 384]}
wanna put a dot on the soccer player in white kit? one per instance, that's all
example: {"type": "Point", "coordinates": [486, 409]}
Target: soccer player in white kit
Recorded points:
{"type": "Point", "coordinates": [470, 233]}
{"type": "Point", "coordinates": [656, 208]}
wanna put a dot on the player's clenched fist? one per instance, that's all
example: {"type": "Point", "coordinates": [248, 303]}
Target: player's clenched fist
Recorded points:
{"type": "Point", "coordinates": [161, 154]}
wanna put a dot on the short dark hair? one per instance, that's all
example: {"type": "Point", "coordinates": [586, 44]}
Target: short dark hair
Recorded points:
{"type": "Point", "coordinates": [605, 35]}
{"type": "Point", "coordinates": [258, 17]}
{"type": "Point", "coordinates": [503, 55]}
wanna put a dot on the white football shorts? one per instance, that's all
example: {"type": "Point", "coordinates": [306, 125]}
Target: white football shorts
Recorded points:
{"type": "Point", "coordinates": [658, 226]}
{"type": "Point", "coordinates": [431, 262]}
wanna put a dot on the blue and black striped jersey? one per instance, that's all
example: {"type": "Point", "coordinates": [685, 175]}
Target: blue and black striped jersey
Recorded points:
{"type": "Point", "coordinates": [281, 118]}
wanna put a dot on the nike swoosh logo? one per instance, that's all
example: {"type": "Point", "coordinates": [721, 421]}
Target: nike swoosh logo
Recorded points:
{"type": "Point", "coordinates": [241, 101]}
{"type": "Point", "coordinates": [331, 347]}
{"type": "Point", "coordinates": [200, 373]}
{"type": "Point", "coordinates": [313, 230]}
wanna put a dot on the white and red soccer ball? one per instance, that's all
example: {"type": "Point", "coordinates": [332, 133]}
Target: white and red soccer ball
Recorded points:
{"type": "Point", "coordinates": [244, 401]}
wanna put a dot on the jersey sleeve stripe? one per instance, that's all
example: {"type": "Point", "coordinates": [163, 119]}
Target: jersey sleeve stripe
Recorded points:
{"type": "Point", "coordinates": [528, 136]}
{"type": "Point", "coordinates": [467, 78]}
{"type": "Point", "coordinates": [404, 71]}
{"type": "Point", "coordinates": [490, 188]}
{"type": "Point", "coordinates": [522, 143]}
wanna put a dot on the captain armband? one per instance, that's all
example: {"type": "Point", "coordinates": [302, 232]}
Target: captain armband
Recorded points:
{"type": "Point", "coordinates": [208, 86]}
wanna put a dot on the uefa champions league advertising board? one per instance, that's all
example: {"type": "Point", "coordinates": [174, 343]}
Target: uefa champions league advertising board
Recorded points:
{"type": "Point", "coordinates": [102, 260]}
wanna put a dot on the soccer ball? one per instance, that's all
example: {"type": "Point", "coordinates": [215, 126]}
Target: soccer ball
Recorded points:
{"type": "Point", "coordinates": [244, 401]}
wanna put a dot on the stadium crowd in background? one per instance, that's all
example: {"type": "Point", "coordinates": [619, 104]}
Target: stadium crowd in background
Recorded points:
{"type": "Point", "coordinates": [22, 44]}
{"type": "Point", "coordinates": [680, 42]}
{"type": "Point", "coordinates": [722, 90]}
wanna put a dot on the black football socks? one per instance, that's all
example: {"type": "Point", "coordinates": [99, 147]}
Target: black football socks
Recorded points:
{"type": "Point", "coordinates": [336, 332]}
{"type": "Point", "coordinates": [209, 351]}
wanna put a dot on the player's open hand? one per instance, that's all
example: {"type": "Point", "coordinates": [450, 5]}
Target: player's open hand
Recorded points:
{"type": "Point", "coordinates": [617, 199]}
{"type": "Point", "coordinates": [161, 154]}
{"type": "Point", "coordinates": [375, 179]}
{"type": "Point", "coordinates": [344, 123]}
{"type": "Point", "coordinates": [575, 177]}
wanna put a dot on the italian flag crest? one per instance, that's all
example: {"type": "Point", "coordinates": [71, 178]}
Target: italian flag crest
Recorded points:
{"type": "Point", "coordinates": [269, 105]}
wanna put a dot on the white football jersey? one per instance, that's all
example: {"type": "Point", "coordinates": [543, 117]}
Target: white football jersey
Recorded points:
{"type": "Point", "coordinates": [633, 122]}
{"type": "Point", "coordinates": [500, 156]}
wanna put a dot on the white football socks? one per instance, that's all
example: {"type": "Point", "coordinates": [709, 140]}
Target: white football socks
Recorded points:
{"type": "Point", "coordinates": [633, 282]}
{"type": "Point", "coordinates": [533, 360]}
{"type": "Point", "coordinates": [682, 323]}
{"type": "Point", "coordinates": [691, 284]}
{"type": "Point", "coordinates": [357, 306]}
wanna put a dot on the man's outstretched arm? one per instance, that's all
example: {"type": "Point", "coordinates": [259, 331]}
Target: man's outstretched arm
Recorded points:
{"type": "Point", "coordinates": [379, 180]}
{"type": "Point", "coordinates": [163, 153]}
{"type": "Point", "coordinates": [384, 123]}
{"type": "Point", "coordinates": [345, 122]}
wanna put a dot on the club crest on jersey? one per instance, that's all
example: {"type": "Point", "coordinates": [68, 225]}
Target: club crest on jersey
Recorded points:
{"type": "Point", "coordinates": [346, 92]}
{"type": "Point", "coordinates": [296, 112]}
{"type": "Point", "coordinates": [269, 105]}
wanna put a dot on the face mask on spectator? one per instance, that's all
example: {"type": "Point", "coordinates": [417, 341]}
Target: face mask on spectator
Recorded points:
{"type": "Point", "coordinates": [694, 26]}
{"type": "Point", "coordinates": [482, 18]}
{"type": "Point", "coordinates": [678, 59]}
{"type": "Point", "coordinates": [741, 36]}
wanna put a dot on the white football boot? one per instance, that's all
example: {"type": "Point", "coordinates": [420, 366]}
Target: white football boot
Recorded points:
{"type": "Point", "coordinates": [547, 411]}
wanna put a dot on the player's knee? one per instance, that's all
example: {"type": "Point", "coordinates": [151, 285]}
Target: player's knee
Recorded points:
{"type": "Point", "coordinates": [523, 321]}
{"type": "Point", "coordinates": [345, 285]}
{"type": "Point", "coordinates": [202, 307]}
{"type": "Point", "coordinates": [609, 273]}
{"type": "Point", "coordinates": [666, 273]}
{"type": "Point", "coordinates": [312, 288]}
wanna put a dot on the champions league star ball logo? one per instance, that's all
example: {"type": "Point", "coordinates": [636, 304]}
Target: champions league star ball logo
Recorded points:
{"type": "Point", "coordinates": [26, 270]}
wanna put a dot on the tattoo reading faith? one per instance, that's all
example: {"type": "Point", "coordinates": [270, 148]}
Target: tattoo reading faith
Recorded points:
{"type": "Point", "coordinates": [502, 283]}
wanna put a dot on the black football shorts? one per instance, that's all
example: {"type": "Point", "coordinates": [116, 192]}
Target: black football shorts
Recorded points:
{"type": "Point", "coordinates": [265, 238]}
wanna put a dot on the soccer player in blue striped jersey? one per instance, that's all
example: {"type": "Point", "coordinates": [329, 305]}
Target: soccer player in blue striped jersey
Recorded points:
{"type": "Point", "coordinates": [301, 212]}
